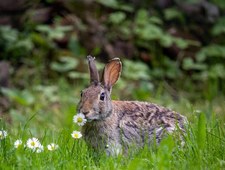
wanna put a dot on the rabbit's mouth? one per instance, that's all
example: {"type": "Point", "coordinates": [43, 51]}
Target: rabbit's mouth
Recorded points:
{"type": "Point", "coordinates": [91, 118]}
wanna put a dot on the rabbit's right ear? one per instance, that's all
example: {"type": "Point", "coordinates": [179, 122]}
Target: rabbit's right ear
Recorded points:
{"type": "Point", "coordinates": [111, 73]}
{"type": "Point", "coordinates": [93, 70]}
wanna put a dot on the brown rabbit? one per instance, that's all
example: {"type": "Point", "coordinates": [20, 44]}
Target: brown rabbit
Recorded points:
{"type": "Point", "coordinates": [116, 125]}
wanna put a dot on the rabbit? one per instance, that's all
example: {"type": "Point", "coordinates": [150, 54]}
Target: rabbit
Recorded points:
{"type": "Point", "coordinates": [115, 126]}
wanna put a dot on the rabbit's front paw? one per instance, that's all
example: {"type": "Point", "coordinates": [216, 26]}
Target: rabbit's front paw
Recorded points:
{"type": "Point", "coordinates": [113, 149]}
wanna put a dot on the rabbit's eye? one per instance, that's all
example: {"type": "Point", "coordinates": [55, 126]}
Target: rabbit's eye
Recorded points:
{"type": "Point", "coordinates": [102, 96]}
{"type": "Point", "coordinates": [81, 94]}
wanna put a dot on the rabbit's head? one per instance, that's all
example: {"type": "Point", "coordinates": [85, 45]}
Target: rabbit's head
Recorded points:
{"type": "Point", "coordinates": [95, 102]}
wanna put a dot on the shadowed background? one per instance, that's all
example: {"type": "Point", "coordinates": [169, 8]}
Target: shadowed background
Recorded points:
{"type": "Point", "coordinates": [173, 53]}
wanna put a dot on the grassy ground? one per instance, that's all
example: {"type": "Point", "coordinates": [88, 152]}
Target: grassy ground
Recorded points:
{"type": "Point", "coordinates": [46, 112]}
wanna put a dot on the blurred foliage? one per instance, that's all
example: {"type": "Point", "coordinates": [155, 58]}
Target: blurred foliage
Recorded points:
{"type": "Point", "coordinates": [173, 54]}
{"type": "Point", "coordinates": [174, 44]}
{"type": "Point", "coordinates": [14, 44]}
{"type": "Point", "coordinates": [21, 97]}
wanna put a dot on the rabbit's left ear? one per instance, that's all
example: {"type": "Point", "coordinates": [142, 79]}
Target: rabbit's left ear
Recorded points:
{"type": "Point", "coordinates": [93, 70]}
{"type": "Point", "coordinates": [111, 73]}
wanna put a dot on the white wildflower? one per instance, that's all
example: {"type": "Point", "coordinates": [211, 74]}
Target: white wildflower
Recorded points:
{"type": "Point", "coordinates": [52, 147]}
{"type": "Point", "coordinates": [79, 119]}
{"type": "Point", "coordinates": [33, 143]}
{"type": "Point", "coordinates": [76, 134]}
{"type": "Point", "coordinates": [39, 149]}
{"type": "Point", "coordinates": [18, 143]}
{"type": "Point", "coordinates": [3, 134]}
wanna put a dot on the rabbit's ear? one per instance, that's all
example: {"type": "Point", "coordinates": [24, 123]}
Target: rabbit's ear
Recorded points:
{"type": "Point", "coordinates": [93, 70]}
{"type": "Point", "coordinates": [111, 73]}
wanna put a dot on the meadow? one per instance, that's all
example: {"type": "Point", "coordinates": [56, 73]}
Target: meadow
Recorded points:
{"type": "Point", "coordinates": [172, 53]}
{"type": "Point", "coordinates": [46, 113]}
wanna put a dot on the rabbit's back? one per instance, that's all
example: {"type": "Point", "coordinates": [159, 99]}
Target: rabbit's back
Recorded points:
{"type": "Point", "coordinates": [140, 122]}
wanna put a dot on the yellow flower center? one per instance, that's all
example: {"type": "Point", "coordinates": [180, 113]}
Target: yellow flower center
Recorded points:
{"type": "Point", "coordinates": [32, 143]}
{"type": "Point", "coordinates": [76, 135]}
{"type": "Point", "coordinates": [79, 120]}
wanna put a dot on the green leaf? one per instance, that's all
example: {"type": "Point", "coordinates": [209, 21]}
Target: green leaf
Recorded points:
{"type": "Point", "coordinates": [66, 63]}
{"type": "Point", "coordinates": [75, 75]}
{"type": "Point", "coordinates": [49, 92]}
{"type": "Point", "coordinates": [135, 70]}
{"type": "Point", "coordinates": [22, 97]}
{"type": "Point", "coordinates": [125, 30]}
{"type": "Point", "coordinates": [181, 43]}
{"type": "Point", "coordinates": [216, 71]}
{"type": "Point", "coordinates": [155, 20]}
{"type": "Point", "coordinates": [201, 133]}
{"type": "Point", "coordinates": [166, 40]}
{"type": "Point", "coordinates": [44, 28]}
{"type": "Point", "coordinates": [188, 64]}
{"type": "Point", "coordinates": [54, 33]}
{"type": "Point", "coordinates": [149, 32]}
{"type": "Point", "coordinates": [117, 17]}
{"type": "Point", "coordinates": [172, 13]}
{"type": "Point", "coordinates": [115, 5]}
{"type": "Point", "coordinates": [213, 50]}
{"type": "Point", "coordinates": [39, 40]}
{"type": "Point", "coordinates": [25, 44]}
{"type": "Point", "coordinates": [8, 34]}
{"type": "Point", "coordinates": [142, 17]}
{"type": "Point", "coordinates": [200, 57]}
{"type": "Point", "coordinates": [108, 3]}
{"type": "Point", "coordinates": [64, 28]}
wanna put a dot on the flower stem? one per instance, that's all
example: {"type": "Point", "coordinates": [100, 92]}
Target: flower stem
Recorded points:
{"type": "Point", "coordinates": [73, 147]}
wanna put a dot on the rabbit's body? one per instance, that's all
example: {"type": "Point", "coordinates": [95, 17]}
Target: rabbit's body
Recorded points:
{"type": "Point", "coordinates": [116, 125]}
{"type": "Point", "coordinates": [131, 123]}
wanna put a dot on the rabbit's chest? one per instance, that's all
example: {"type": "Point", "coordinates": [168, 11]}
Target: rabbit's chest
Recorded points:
{"type": "Point", "coordinates": [100, 136]}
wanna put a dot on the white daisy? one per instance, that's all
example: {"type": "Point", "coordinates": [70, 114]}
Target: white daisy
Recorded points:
{"type": "Point", "coordinates": [3, 134]}
{"type": "Point", "coordinates": [79, 119]}
{"type": "Point", "coordinates": [39, 149]}
{"type": "Point", "coordinates": [52, 147]}
{"type": "Point", "coordinates": [18, 143]}
{"type": "Point", "coordinates": [33, 143]}
{"type": "Point", "coordinates": [76, 134]}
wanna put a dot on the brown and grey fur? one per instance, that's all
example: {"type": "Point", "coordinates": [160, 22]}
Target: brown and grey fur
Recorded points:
{"type": "Point", "coordinates": [116, 125]}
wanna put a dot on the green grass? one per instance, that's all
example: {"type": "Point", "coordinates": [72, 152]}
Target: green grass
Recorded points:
{"type": "Point", "coordinates": [49, 118]}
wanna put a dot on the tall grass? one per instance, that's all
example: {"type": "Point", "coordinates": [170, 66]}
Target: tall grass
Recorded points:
{"type": "Point", "coordinates": [49, 118]}
{"type": "Point", "coordinates": [204, 149]}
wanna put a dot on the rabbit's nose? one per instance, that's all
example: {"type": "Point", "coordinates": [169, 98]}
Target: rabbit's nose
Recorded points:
{"type": "Point", "coordinates": [85, 113]}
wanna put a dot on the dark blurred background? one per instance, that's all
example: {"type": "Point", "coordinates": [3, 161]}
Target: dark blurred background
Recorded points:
{"type": "Point", "coordinates": [169, 48]}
